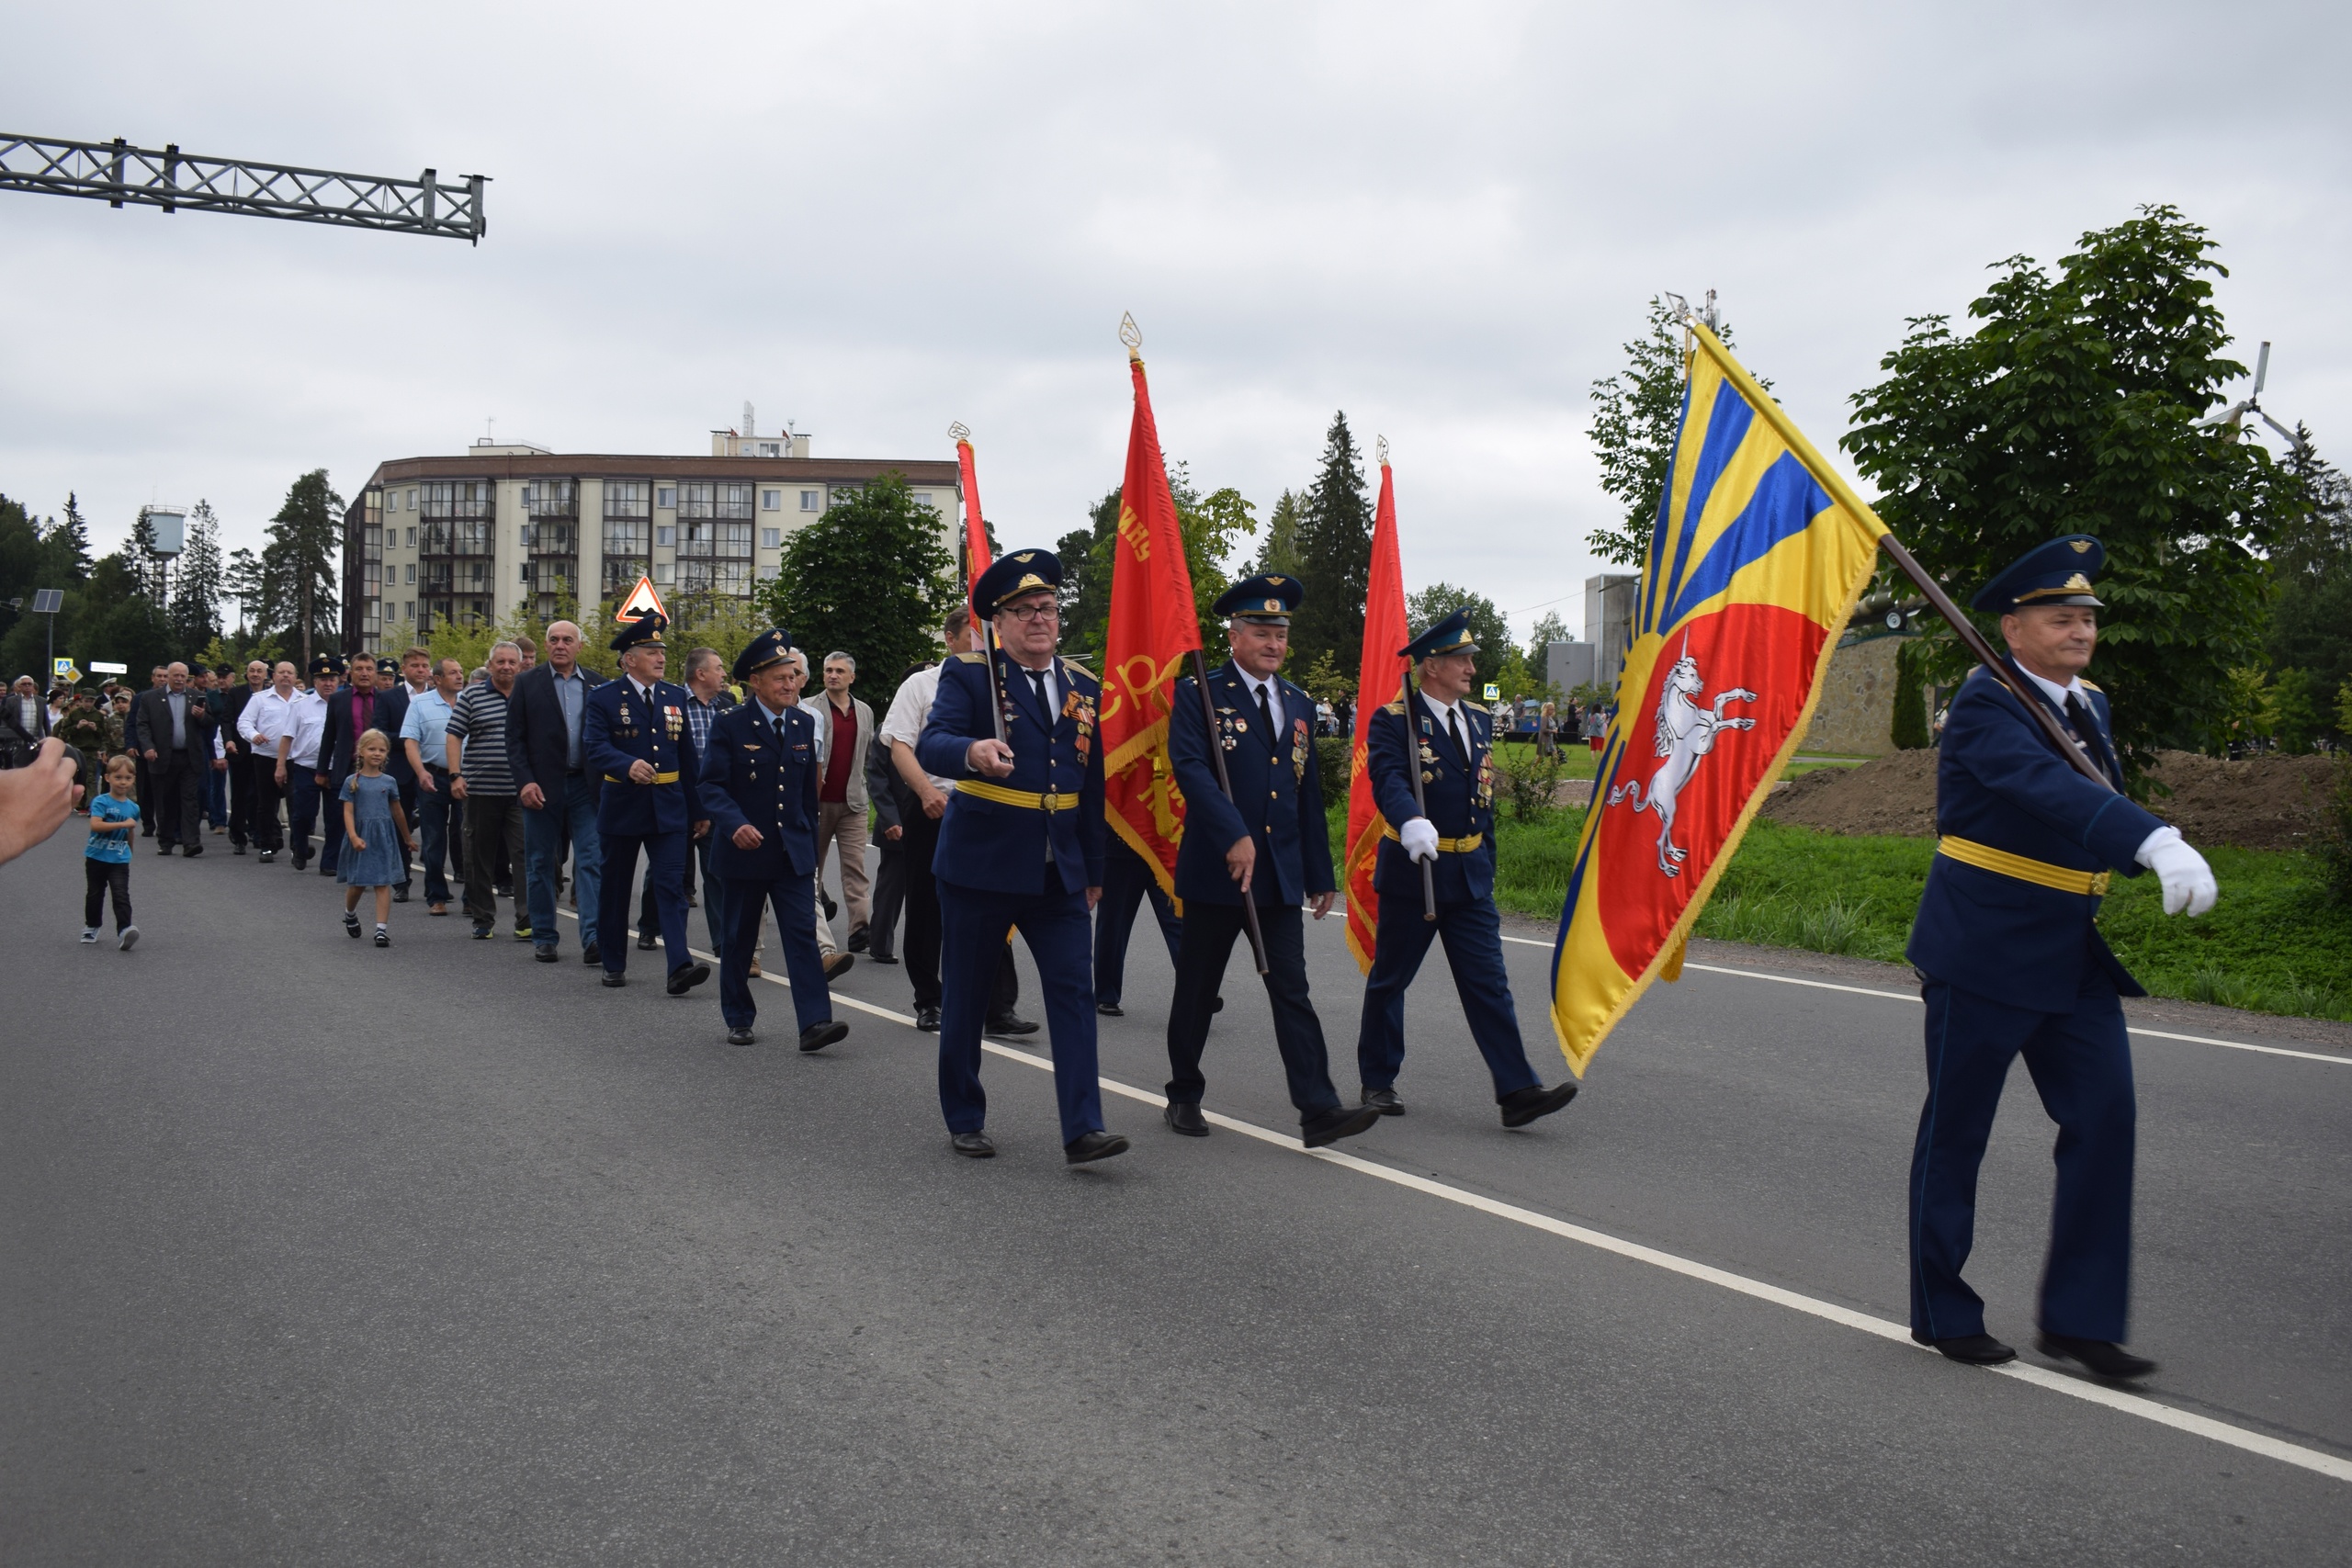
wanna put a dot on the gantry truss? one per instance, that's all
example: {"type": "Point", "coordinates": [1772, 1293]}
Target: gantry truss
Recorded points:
{"type": "Point", "coordinates": [115, 173]}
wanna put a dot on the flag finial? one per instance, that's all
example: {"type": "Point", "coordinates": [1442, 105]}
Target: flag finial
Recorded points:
{"type": "Point", "coordinates": [1131, 334]}
{"type": "Point", "coordinates": [1380, 450]}
{"type": "Point", "coordinates": [959, 433]}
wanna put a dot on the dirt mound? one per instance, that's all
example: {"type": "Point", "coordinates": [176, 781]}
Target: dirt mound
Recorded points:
{"type": "Point", "coordinates": [2266, 803]}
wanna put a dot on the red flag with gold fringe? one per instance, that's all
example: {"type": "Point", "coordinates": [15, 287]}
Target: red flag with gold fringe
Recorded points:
{"type": "Point", "coordinates": [1153, 625]}
{"type": "Point", "coordinates": [975, 531]}
{"type": "Point", "coordinates": [1380, 679]}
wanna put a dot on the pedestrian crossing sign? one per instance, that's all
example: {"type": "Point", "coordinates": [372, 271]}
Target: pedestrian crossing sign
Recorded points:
{"type": "Point", "coordinates": [1494, 692]}
{"type": "Point", "coordinates": [64, 670]}
{"type": "Point", "coordinates": [641, 602]}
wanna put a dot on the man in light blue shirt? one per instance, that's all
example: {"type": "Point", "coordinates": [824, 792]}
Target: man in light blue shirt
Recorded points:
{"type": "Point", "coordinates": [424, 735]}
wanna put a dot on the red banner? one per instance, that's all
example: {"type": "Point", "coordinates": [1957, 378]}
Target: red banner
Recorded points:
{"type": "Point", "coordinates": [975, 531]}
{"type": "Point", "coordinates": [1380, 679]}
{"type": "Point", "coordinates": [1153, 627]}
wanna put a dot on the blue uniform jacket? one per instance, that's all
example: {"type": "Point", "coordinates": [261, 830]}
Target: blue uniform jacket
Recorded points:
{"type": "Point", "coordinates": [1277, 794]}
{"type": "Point", "coordinates": [618, 728]}
{"type": "Point", "coordinates": [986, 844]}
{"type": "Point", "coordinates": [1461, 794]}
{"type": "Point", "coordinates": [2000, 782]}
{"type": "Point", "coordinates": [752, 774]}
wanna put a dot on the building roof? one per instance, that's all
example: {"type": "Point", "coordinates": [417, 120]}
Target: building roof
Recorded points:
{"type": "Point", "coordinates": [832, 470]}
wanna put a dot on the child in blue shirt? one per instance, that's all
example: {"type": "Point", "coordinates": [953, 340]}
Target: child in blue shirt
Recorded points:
{"type": "Point", "coordinates": [106, 862]}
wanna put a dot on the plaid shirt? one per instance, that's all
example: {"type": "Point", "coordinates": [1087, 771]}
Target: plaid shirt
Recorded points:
{"type": "Point", "coordinates": [698, 716]}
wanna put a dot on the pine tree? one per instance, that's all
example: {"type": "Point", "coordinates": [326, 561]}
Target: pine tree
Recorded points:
{"type": "Point", "coordinates": [1279, 554]}
{"type": "Point", "coordinates": [197, 581]}
{"type": "Point", "coordinates": [151, 567]}
{"type": "Point", "coordinates": [243, 582]}
{"type": "Point", "coordinates": [69, 542]}
{"type": "Point", "coordinates": [1334, 554]}
{"type": "Point", "coordinates": [301, 585]}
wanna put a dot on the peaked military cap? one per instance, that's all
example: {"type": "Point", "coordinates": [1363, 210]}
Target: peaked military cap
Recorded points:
{"type": "Point", "coordinates": [2060, 572]}
{"type": "Point", "coordinates": [769, 647]}
{"type": "Point", "coordinates": [386, 666]}
{"type": "Point", "coordinates": [326, 665]}
{"type": "Point", "coordinates": [1451, 635]}
{"type": "Point", "coordinates": [646, 630]}
{"type": "Point", "coordinates": [1013, 574]}
{"type": "Point", "coordinates": [1266, 597]}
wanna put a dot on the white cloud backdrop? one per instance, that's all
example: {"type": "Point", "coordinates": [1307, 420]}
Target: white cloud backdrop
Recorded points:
{"type": "Point", "coordinates": [876, 219]}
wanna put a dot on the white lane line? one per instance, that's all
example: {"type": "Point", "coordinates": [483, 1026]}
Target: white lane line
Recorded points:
{"type": "Point", "coordinates": [1907, 997]}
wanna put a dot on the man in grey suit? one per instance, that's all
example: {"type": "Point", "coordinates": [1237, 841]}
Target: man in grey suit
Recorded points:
{"type": "Point", "coordinates": [171, 728]}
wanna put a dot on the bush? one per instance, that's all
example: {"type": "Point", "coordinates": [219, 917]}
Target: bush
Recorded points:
{"type": "Point", "coordinates": [1530, 782]}
{"type": "Point", "coordinates": [1910, 733]}
{"type": "Point", "coordinates": [1331, 753]}
{"type": "Point", "coordinates": [2334, 841]}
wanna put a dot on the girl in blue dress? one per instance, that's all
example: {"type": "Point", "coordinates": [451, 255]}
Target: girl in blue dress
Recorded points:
{"type": "Point", "coordinates": [371, 818]}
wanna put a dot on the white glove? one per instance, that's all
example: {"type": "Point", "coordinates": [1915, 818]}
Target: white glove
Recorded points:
{"type": "Point", "coordinates": [2188, 881]}
{"type": "Point", "coordinates": [1420, 839]}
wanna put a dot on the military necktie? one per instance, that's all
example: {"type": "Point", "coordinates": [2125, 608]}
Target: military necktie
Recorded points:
{"type": "Point", "coordinates": [2078, 718]}
{"type": "Point", "coordinates": [1453, 727]}
{"type": "Point", "coordinates": [1037, 685]}
{"type": "Point", "coordinates": [1265, 715]}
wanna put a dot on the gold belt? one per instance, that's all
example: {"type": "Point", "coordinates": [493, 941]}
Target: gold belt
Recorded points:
{"type": "Point", "coordinates": [1029, 799]}
{"type": "Point", "coordinates": [1986, 858]}
{"type": "Point", "coordinates": [657, 778]}
{"type": "Point", "coordinates": [1445, 846]}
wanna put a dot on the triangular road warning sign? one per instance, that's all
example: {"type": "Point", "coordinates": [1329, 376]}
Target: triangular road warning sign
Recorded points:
{"type": "Point", "coordinates": [641, 600]}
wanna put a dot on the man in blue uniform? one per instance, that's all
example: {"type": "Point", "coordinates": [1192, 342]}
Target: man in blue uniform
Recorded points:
{"type": "Point", "coordinates": [1020, 845]}
{"type": "Point", "coordinates": [1267, 842]}
{"type": "Point", "coordinates": [634, 735]}
{"type": "Point", "coordinates": [759, 789]}
{"type": "Point", "coordinates": [2011, 964]}
{"type": "Point", "coordinates": [1445, 736]}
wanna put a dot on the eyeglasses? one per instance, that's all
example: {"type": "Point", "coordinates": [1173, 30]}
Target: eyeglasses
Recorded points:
{"type": "Point", "coordinates": [1024, 613]}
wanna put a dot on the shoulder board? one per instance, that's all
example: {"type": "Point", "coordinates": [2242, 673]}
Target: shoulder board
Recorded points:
{"type": "Point", "coordinates": [1074, 664]}
{"type": "Point", "coordinates": [1396, 707]}
{"type": "Point", "coordinates": [972, 659]}
{"type": "Point", "coordinates": [2091, 686]}
{"type": "Point", "coordinates": [1473, 708]}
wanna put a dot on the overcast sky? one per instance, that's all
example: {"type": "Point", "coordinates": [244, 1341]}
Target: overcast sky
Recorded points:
{"type": "Point", "coordinates": [876, 219]}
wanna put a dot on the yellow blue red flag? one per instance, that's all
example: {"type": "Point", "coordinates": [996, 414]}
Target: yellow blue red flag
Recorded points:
{"type": "Point", "coordinates": [1759, 554]}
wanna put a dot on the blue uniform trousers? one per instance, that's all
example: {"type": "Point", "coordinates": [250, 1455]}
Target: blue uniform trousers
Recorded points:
{"type": "Point", "coordinates": [2081, 1064]}
{"type": "Point", "coordinates": [1210, 931]}
{"type": "Point", "coordinates": [1128, 881]}
{"type": "Point", "coordinates": [974, 924]}
{"type": "Point", "coordinates": [796, 926]}
{"type": "Point", "coordinates": [302, 793]}
{"type": "Point", "coordinates": [1474, 950]}
{"type": "Point", "coordinates": [665, 873]}
{"type": "Point", "coordinates": [543, 832]}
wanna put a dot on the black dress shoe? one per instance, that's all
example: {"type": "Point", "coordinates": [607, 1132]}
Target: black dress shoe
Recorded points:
{"type": "Point", "coordinates": [2104, 1356]}
{"type": "Point", "coordinates": [400, 890]}
{"type": "Point", "coordinates": [832, 908]}
{"type": "Point", "coordinates": [927, 1020]}
{"type": "Point", "coordinates": [1973, 1349]}
{"type": "Point", "coordinates": [1521, 1106]}
{"type": "Point", "coordinates": [973, 1145]}
{"type": "Point", "coordinates": [164, 848]}
{"type": "Point", "coordinates": [1384, 1101]}
{"type": "Point", "coordinates": [1185, 1116]}
{"type": "Point", "coordinates": [591, 955]}
{"type": "Point", "coordinates": [1110, 1010]}
{"type": "Point", "coordinates": [1217, 1004]}
{"type": "Point", "coordinates": [858, 942]}
{"type": "Point", "coordinates": [1009, 1023]}
{"type": "Point", "coordinates": [687, 976]}
{"type": "Point", "coordinates": [616, 981]}
{"type": "Point", "coordinates": [192, 850]}
{"type": "Point", "coordinates": [237, 849]}
{"type": "Point", "coordinates": [267, 857]}
{"type": "Point", "coordinates": [741, 1035]}
{"type": "Point", "coordinates": [544, 954]}
{"type": "Point", "coordinates": [646, 942]}
{"type": "Point", "coordinates": [1340, 1122]}
{"type": "Point", "coordinates": [817, 1036]}
{"type": "Point", "coordinates": [881, 958]}
{"type": "Point", "coordinates": [326, 870]}
{"type": "Point", "coordinates": [1088, 1147]}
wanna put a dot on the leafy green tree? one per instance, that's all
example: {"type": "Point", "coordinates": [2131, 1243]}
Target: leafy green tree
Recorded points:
{"type": "Point", "coordinates": [196, 581]}
{"type": "Point", "coordinates": [2071, 409]}
{"type": "Point", "coordinates": [1550, 629]}
{"type": "Point", "coordinates": [1440, 600]}
{"type": "Point", "coordinates": [1635, 416]}
{"type": "Point", "coordinates": [1086, 556]}
{"type": "Point", "coordinates": [1326, 682]}
{"type": "Point", "coordinates": [1334, 555]}
{"type": "Point", "coordinates": [301, 567]}
{"type": "Point", "coordinates": [1213, 526]}
{"type": "Point", "coordinates": [118, 622]}
{"type": "Point", "coordinates": [1910, 728]}
{"type": "Point", "coordinates": [872, 577]}
{"type": "Point", "coordinates": [2311, 628]}
{"type": "Point", "coordinates": [1279, 552]}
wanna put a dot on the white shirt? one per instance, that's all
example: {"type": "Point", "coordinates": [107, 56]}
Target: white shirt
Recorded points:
{"type": "Point", "coordinates": [1053, 691]}
{"type": "Point", "coordinates": [2057, 692]}
{"type": "Point", "coordinates": [1445, 711]}
{"type": "Point", "coordinates": [1274, 690]}
{"type": "Point", "coordinates": [308, 725]}
{"type": "Point", "coordinates": [266, 716]}
{"type": "Point", "coordinates": [911, 710]}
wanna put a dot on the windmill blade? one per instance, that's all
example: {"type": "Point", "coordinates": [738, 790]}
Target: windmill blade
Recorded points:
{"type": "Point", "coordinates": [2293, 440]}
{"type": "Point", "coordinates": [2229, 416]}
{"type": "Point", "coordinates": [2261, 369]}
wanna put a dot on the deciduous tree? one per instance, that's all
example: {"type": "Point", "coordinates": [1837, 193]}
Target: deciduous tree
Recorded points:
{"type": "Point", "coordinates": [872, 577]}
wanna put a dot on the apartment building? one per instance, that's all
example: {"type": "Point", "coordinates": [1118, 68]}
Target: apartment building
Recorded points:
{"type": "Point", "coordinates": [508, 525]}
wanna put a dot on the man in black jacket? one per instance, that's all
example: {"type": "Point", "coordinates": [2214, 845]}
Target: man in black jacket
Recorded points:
{"type": "Point", "coordinates": [559, 790]}
{"type": "Point", "coordinates": [352, 712]}
{"type": "Point", "coordinates": [171, 729]}
{"type": "Point", "coordinates": [232, 746]}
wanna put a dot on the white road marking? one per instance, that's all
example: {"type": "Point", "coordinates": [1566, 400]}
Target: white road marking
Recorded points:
{"type": "Point", "coordinates": [2057, 1383]}
{"type": "Point", "coordinates": [1907, 997]}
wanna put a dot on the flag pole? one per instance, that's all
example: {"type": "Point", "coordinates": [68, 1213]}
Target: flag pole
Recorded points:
{"type": "Point", "coordinates": [1224, 783]}
{"type": "Point", "coordinates": [1421, 803]}
{"type": "Point", "coordinates": [1843, 494]}
{"type": "Point", "coordinates": [972, 521]}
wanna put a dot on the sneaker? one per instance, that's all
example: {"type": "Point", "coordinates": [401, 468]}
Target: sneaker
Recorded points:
{"type": "Point", "coordinates": [90, 936]}
{"type": "Point", "coordinates": [351, 924]}
{"type": "Point", "coordinates": [522, 933]}
{"type": "Point", "coordinates": [383, 937]}
{"type": "Point", "coordinates": [130, 938]}
{"type": "Point", "coordinates": [482, 933]}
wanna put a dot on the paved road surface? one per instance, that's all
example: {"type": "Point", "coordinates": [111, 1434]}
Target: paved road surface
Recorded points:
{"type": "Point", "coordinates": [316, 1253]}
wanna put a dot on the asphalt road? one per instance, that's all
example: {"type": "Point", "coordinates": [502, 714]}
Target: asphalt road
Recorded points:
{"type": "Point", "coordinates": [316, 1253]}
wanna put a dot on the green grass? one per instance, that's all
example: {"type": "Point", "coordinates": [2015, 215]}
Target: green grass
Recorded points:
{"type": "Point", "coordinates": [2276, 942]}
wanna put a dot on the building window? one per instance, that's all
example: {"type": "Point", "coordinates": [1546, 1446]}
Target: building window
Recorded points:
{"type": "Point", "coordinates": [665, 534]}
{"type": "Point", "coordinates": [771, 501]}
{"type": "Point", "coordinates": [811, 500]}
{"type": "Point", "coordinates": [661, 572]}
{"type": "Point", "coordinates": [411, 607]}
{"type": "Point", "coordinates": [627, 498]}
{"type": "Point", "coordinates": [412, 538]}
{"type": "Point", "coordinates": [412, 572]}
{"type": "Point", "coordinates": [524, 568]}
{"type": "Point", "coordinates": [923, 498]}
{"type": "Point", "coordinates": [552, 498]}
{"type": "Point", "coordinates": [771, 538]}
{"type": "Point", "coordinates": [457, 499]}
{"type": "Point", "coordinates": [666, 496]}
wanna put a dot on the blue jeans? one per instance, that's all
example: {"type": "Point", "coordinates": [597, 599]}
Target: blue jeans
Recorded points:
{"type": "Point", "coordinates": [543, 831]}
{"type": "Point", "coordinates": [433, 837]}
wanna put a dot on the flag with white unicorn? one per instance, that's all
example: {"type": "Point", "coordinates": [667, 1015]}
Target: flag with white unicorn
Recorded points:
{"type": "Point", "coordinates": [1753, 568]}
